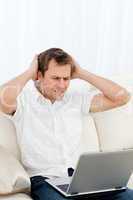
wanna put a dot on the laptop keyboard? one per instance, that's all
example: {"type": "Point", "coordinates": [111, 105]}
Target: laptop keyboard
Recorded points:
{"type": "Point", "coordinates": [63, 187]}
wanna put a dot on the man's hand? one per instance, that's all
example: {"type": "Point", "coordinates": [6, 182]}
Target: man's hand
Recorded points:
{"type": "Point", "coordinates": [77, 70]}
{"type": "Point", "coordinates": [34, 68]}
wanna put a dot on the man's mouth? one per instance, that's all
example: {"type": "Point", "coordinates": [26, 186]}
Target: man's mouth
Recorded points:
{"type": "Point", "coordinates": [59, 94]}
{"type": "Point", "coordinates": [59, 91]}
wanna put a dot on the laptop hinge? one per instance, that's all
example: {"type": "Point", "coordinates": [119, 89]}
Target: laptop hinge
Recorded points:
{"type": "Point", "coordinates": [118, 187]}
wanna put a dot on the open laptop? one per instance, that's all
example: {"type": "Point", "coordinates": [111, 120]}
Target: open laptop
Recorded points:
{"type": "Point", "coordinates": [96, 173]}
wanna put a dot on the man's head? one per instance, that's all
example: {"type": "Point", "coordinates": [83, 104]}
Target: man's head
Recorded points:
{"type": "Point", "coordinates": [55, 68]}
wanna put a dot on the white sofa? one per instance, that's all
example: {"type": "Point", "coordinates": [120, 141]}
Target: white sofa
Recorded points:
{"type": "Point", "coordinates": [102, 131]}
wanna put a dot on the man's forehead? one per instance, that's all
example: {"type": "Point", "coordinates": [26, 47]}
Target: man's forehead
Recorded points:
{"type": "Point", "coordinates": [54, 64]}
{"type": "Point", "coordinates": [60, 73]}
{"type": "Point", "coordinates": [55, 68]}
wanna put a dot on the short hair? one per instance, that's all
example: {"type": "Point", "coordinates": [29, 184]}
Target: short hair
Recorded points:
{"type": "Point", "coordinates": [59, 55]}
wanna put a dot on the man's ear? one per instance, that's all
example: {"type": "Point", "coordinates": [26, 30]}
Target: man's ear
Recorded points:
{"type": "Point", "coordinates": [39, 75]}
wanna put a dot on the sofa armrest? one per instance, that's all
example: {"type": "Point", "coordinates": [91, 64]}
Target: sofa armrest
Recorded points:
{"type": "Point", "coordinates": [13, 177]}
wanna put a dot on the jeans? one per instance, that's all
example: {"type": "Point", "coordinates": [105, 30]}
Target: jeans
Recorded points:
{"type": "Point", "coordinates": [41, 190]}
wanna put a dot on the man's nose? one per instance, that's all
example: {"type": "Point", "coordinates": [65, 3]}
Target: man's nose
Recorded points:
{"type": "Point", "coordinates": [62, 83]}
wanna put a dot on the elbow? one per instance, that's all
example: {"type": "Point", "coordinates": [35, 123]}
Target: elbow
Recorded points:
{"type": "Point", "coordinates": [122, 97]}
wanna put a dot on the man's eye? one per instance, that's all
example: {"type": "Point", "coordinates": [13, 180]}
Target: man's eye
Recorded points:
{"type": "Point", "coordinates": [56, 78]}
{"type": "Point", "coordinates": [66, 79]}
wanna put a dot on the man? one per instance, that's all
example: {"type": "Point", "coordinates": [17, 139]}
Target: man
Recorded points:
{"type": "Point", "coordinates": [48, 118]}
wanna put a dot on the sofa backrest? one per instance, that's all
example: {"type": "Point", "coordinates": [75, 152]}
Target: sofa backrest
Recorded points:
{"type": "Point", "coordinates": [115, 127]}
{"type": "Point", "coordinates": [8, 138]}
{"type": "Point", "coordinates": [89, 139]}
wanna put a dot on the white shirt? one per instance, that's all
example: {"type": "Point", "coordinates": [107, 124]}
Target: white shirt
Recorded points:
{"type": "Point", "coordinates": [49, 134]}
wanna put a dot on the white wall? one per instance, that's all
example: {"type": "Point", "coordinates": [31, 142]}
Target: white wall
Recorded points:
{"type": "Point", "coordinates": [98, 33]}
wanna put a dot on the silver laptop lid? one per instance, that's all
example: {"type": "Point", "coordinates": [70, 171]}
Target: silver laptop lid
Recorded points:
{"type": "Point", "coordinates": [102, 171]}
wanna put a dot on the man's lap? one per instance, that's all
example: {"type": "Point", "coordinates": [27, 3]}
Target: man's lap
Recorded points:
{"type": "Point", "coordinates": [41, 190]}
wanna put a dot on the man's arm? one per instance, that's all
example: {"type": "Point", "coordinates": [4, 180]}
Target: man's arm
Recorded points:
{"type": "Point", "coordinates": [10, 90]}
{"type": "Point", "coordinates": [113, 95]}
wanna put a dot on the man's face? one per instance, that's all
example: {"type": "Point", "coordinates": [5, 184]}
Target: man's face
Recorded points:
{"type": "Point", "coordinates": [55, 81]}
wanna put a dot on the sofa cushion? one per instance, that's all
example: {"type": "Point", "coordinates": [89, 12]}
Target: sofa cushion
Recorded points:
{"type": "Point", "coordinates": [115, 127]}
{"type": "Point", "coordinates": [13, 177]}
{"type": "Point", "coordinates": [8, 135]}
{"type": "Point", "coordinates": [89, 140]}
{"type": "Point", "coordinates": [16, 197]}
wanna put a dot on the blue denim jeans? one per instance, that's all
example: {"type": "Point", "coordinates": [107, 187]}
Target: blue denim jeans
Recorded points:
{"type": "Point", "coordinates": [41, 190]}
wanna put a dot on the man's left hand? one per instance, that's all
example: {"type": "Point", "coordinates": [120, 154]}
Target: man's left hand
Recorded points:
{"type": "Point", "coordinates": [77, 70]}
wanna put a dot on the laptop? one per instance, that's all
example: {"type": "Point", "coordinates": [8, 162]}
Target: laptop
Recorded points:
{"type": "Point", "coordinates": [96, 173]}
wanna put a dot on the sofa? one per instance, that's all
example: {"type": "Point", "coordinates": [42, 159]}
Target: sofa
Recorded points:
{"type": "Point", "coordinates": [102, 131]}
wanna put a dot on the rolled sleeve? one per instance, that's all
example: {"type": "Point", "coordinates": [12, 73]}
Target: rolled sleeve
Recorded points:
{"type": "Point", "coordinates": [86, 100]}
{"type": "Point", "coordinates": [15, 117]}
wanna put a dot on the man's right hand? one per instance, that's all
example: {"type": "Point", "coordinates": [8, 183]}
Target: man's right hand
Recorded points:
{"type": "Point", "coordinates": [34, 68]}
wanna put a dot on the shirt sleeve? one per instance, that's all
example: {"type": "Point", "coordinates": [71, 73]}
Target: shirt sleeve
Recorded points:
{"type": "Point", "coordinates": [86, 100]}
{"type": "Point", "coordinates": [21, 99]}
{"type": "Point", "coordinates": [20, 107]}
{"type": "Point", "coordinates": [83, 99]}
